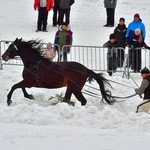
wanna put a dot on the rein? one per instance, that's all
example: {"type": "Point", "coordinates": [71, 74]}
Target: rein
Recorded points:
{"type": "Point", "coordinates": [121, 84]}
{"type": "Point", "coordinates": [117, 97]}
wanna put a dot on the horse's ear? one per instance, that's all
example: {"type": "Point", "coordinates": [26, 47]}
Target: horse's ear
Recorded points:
{"type": "Point", "coordinates": [16, 40]}
{"type": "Point", "coordinates": [20, 39]}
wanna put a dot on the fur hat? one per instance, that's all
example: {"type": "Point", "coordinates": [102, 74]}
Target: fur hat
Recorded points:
{"type": "Point", "coordinates": [145, 71]}
{"type": "Point", "coordinates": [112, 36]}
{"type": "Point", "coordinates": [137, 16]}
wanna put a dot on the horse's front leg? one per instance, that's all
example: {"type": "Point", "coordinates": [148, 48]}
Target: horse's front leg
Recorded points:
{"type": "Point", "coordinates": [9, 101]}
{"type": "Point", "coordinates": [14, 87]}
{"type": "Point", "coordinates": [30, 96]}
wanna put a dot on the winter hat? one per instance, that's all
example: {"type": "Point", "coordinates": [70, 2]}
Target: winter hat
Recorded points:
{"type": "Point", "coordinates": [137, 16]}
{"type": "Point", "coordinates": [49, 45]}
{"type": "Point", "coordinates": [138, 30]}
{"type": "Point", "coordinates": [122, 19]}
{"type": "Point", "coordinates": [145, 71]}
{"type": "Point", "coordinates": [112, 36]}
{"type": "Point", "coordinates": [64, 23]}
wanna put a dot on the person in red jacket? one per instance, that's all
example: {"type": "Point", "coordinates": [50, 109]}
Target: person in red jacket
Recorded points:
{"type": "Point", "coordinates": [43, 7]}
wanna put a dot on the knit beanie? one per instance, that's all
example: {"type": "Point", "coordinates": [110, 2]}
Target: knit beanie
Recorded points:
{"type": "Point", "coordinates": [112, 36]}
{"type": "Point", "coordinates": [138, 30]}
{"type": "Point", "coordinates": [145, 71]}
{"type": "Point", "coordinates": [137, 16]}
{"type": "Point", "coordinates": [49, 45]}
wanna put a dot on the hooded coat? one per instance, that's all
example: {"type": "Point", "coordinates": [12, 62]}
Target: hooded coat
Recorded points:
{"type": "Point", "coordinates": [133, 26]}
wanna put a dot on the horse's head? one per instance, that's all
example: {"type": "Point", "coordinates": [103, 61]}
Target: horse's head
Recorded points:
{"type": "Point", "coordinates": [12, 50]}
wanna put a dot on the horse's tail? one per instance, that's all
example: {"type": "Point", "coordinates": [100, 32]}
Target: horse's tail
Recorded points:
{"type": "Point", "coordinates": [106, 94]}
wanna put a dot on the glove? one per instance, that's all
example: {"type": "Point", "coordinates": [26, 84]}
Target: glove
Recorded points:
{"type": "Point", "coordinates": [131, 47]}
{"type": "Point", "coordinates": [147, 47]}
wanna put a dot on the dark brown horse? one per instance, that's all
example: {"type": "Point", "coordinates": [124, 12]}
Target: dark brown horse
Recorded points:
{"type": "Point", "coordinates": [42, 73]}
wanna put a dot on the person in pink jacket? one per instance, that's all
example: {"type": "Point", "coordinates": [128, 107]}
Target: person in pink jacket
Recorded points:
{"type": "Point", "coordinates": [43, 7]}
{"type": "Point", "coordinates": [48, 52]}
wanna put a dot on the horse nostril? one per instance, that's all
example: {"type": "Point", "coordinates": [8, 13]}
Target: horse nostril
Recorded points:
{"type": "Point", "coordinates": [5, 58]}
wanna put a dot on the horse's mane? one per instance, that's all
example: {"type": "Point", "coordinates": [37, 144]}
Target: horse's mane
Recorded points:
{"type": "Point", "coordinates": [35, 45]}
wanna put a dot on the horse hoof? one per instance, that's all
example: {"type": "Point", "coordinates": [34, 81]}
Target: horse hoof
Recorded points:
{"type": "Point", "coordinates": [31, 97]}
{"type": "Point", "coordinates": [9, 102]}
{"type": "Point", "coordinates": [69, 102]}
{"type": "Point", "coordinates": [112, 102]}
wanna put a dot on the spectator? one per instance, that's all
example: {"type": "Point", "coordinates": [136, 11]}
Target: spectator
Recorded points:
{"type": "Point", "coordinates": [65, 7]}
{"type": "Point", "coordinates": [120, 33]}
{"type": "Point", "coordinates": [63, 37]}
{"type": "Point", "coordinates": [56, 12]}
{"type": "Point", "coordinates": [110, 6]}
{"type": "Point", "coordinates": [144, 89]}
{"type": "Point", "coordinates": [48, 52]}
{"type": "Point", "coordinates": [136, 23]}
{"type": "Point", "coordinates": [111, 54]}
{"type": "Point", "coordinates": [136, 43]}
{"type": "Point", "coordinates": [43, 6]}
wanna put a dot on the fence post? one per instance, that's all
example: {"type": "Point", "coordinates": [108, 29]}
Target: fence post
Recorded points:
{"type": "Point", "coordinates": [0, 58]}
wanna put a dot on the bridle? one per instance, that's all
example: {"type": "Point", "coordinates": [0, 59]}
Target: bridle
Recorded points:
{"type": "Point", "coordinates": [15, 47]}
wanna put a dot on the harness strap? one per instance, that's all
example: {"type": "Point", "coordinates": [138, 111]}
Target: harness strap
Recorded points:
{"type": "Point", "coordinates": [37, 76]}
{"type": "Point", "coordinates": [36, 67]}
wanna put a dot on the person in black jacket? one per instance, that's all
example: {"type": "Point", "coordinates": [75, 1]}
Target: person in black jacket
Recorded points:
{"type": "Point", "coordinates": [56, 12]}
{"type": "Point", "coordinates": [120, 33]}
{"type": "Point", "coordinates": [65, 7]}
{"type": "Point", "coordinates": [111, 54]}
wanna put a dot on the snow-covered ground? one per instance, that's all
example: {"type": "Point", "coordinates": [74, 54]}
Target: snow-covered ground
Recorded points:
{"type": "Point", "coordinates": [39, 125]}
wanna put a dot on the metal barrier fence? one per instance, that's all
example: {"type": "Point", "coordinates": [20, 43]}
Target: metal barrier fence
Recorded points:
{"type": "Point", "coordinates": [93, 57]}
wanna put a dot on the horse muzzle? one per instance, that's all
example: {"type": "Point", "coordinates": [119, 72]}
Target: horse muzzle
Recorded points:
{"type": "Point", "coordinates": [5, 58]}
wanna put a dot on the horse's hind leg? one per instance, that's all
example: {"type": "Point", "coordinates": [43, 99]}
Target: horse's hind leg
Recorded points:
{"type": "Point", "coordinates": [80, 97]}
{"type": "Point", "coordinates": [30, 96]}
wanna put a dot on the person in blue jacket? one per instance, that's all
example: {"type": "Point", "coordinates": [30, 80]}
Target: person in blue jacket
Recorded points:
{"type": "Point", "coordinates": [133, 42]}
{"type": "Point", "coordinates": [136, 23]}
